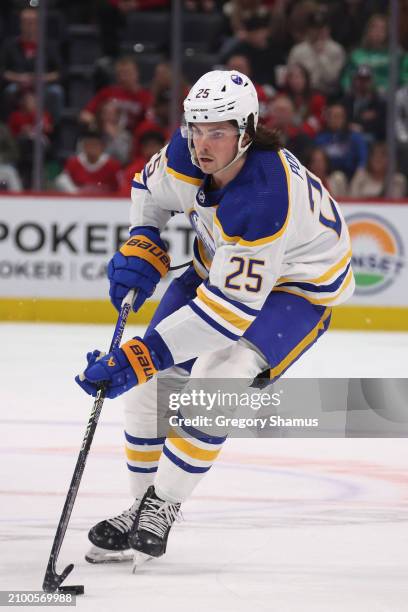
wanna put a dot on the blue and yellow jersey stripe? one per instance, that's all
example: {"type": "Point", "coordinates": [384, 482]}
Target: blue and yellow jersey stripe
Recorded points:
{"type": "Point", "coordinates": [137, 181]}
{"type": "Point", "coordinates": [225, 315]}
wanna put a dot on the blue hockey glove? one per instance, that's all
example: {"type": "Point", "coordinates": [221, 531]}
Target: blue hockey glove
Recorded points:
{"type": "Point", "coordinates": [125, 367]}
{"type": "Point", "coordinates": [139, 264]}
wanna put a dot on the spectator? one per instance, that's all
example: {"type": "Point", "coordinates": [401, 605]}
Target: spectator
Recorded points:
{"type": "Point", "coordinates": [348, 20]}
{"type": "Point", "coordinates": [366, 110]}
{"type": "Point", "coordinates": [92, 171]}
{"type": "Point", "coordinates": [18, 62]}
{"type": "Point", "coordinates": [150, 143]}
{"type": "Point", "coordinates": [317, 162]}
{"type": "Point", "coordinates": [22, 125]}
{"type": "Point", "coordinates": [263, 55]}
{"type": "Point", "coordinates": [298, 20]}
{"type": "Point", "coordinates": [9, 178]}
{"type": "Point", "coordinates": [374, 53]}
{"type": "Point", "coordinates": [346, 150]}
{"type": "Point", "coordinates": [281, 116]}
{"type": "Point", "coordinates": [401, 127]}
{"type": "Point", "coordinates": [309, 105]}
{"type": "Point", "coordinates": [157, 121]}
{"type": "Point", "coordinates": [117, 139]}
{"type": "Point", "coordinates": [369, 182]}
{"type": "Point", "coordinates": [242, 64]}
{"type": "Point", "coordinates": [131, 99]}
{"type": "Point", "coordinates": [239, 11]}
{"type": "Point", "coordinates": [163, 79]}
{"type": "Point", "coordinates": [320, 55]}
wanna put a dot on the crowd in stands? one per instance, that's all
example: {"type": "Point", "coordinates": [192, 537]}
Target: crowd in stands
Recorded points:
{"type": "Point", "coordinates": [321, 69]}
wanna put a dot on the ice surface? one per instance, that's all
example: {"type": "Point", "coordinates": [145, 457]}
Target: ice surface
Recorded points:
{"type": "Point", "coordinates": [283, 525]}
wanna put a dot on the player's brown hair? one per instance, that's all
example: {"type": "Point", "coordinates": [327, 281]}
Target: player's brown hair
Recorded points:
{"type": "Point", "coordinates": [264, 138]}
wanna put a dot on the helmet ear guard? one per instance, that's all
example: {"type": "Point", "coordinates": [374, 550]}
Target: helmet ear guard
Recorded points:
{"type": "Point", "coordinates": [221, 95]}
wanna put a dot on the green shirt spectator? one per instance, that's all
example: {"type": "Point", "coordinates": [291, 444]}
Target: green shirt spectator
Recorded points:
{"type": "Point", "coordinates": [379, 62]}
{"type": "Point", "coordinates": [374, 53]}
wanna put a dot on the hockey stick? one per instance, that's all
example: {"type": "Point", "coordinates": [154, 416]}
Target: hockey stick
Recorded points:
{"type": "Point", "coordinates": [52, 580]}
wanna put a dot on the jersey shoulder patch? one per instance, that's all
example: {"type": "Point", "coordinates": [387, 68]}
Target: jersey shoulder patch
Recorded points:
{"type": "Point", "coordinates": [179, 162]}
{"type": "Point", "coordinates": [256, 209]}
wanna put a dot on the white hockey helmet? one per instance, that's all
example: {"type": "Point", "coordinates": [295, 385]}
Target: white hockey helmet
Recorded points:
{"type": "Point", "coordinates": [221, 95]}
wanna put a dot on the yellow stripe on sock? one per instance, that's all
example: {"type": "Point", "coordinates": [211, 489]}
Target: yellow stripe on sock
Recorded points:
{"type": "Point", "coordinates": [142, 455]}
{"type": "Point", "coordinates": [189, 449]}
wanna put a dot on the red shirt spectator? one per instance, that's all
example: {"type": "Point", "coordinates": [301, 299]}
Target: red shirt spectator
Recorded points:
{"type": "Point", "coordinates": [100, 176]}
{"type": "Point", "coordinates": [131, 99]}
{"type": "Point", "coordinates": [23, 122]}
{"type": "Point", "coordinates": [92, 171]}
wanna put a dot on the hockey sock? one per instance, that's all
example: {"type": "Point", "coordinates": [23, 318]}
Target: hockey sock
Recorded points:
{"type": "Point", "coordinates": [187, 455]}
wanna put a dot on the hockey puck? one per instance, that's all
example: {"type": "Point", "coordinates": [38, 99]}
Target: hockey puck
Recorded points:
{"type": "Point", "coordinates": [77, 589]}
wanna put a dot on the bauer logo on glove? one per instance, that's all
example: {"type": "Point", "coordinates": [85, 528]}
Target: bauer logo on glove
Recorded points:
{"type": "Point", "coordinates": [125, 367]}
{"type": "Point", "coordinates": [139, 246]}
{"type": "Point", "coordinates": [139, 264]}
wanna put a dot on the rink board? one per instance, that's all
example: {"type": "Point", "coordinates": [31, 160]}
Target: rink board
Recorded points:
{"type": "Point", "coordinates": [54, 251]}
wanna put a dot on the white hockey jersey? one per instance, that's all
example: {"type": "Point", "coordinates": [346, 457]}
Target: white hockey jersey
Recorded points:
{"type": "Point", "coordinates": [273, 228]}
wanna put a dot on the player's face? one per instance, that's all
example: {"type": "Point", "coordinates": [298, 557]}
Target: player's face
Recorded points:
{"type": "Point", "coordinates": [215, 145]}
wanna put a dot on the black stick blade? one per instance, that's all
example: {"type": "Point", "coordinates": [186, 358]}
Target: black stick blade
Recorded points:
{"type": "Point", "coordinates": [52, 580]}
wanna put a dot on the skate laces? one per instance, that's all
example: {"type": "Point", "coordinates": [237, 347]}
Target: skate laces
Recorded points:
{"type": "Point", "coordinates": [124, 521]}
{"type": "Point", "coordinates": [158, 515]}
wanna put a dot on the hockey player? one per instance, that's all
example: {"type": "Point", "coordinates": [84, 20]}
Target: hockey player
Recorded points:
{"type": "Point", "coordinates": [271, 257]}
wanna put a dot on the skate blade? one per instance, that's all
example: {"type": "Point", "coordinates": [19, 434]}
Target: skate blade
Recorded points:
{"type": "Point", "coordinates": [139, 559]}
{"type": "Point", "coordinates": [100, 555]}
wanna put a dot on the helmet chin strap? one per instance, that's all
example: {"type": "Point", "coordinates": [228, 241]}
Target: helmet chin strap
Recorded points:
{"type": "Point", "coordinates": [240, 151]}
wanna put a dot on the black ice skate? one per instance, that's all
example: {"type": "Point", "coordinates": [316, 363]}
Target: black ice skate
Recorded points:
{"type": "Point", "coordinates": [110, 538]}
{"type": "Point", "coordinates": [149, 533]}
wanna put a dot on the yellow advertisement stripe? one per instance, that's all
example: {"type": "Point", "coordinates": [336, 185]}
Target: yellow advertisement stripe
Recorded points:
{"type": "Point", "coordinates": [223, 312]}
{"type": "Point", "coordinates": [267, 239]}
{"type": "Point", "coordinates": [319, 301]}
{"type": "Point", "coordinates": [142, 455]}
{"type": "Point", "coordinates": [295, 352]}
{"type": "Point", "coordinates": [64, 310]}
{"type": "Point", "coordinates": [184, 177]}
{"type": "Point", "coordinates": [189, 449]}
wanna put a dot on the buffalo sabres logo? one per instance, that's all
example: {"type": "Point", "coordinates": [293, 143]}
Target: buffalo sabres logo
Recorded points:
{"type": "Point", "coordinates": [201, 196]}
{"type": "Point", "coordinates": [236, 79]}
{"type": "Point", "coordinates": [203, 233]}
